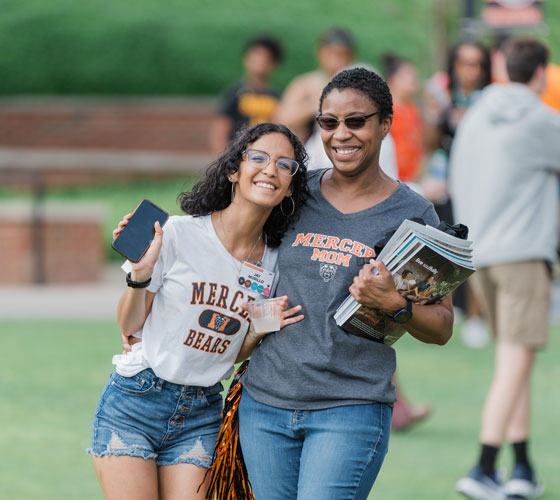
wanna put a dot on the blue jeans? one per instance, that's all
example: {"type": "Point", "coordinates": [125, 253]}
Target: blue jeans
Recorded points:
{"type": "Point", "coordinates": [146, 416]}
{"type": "Point", "coordinates": [330, 454]}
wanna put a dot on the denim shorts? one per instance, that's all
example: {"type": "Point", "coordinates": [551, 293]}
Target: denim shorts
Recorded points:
{"type": "Point", "coordinates": [146, 416]}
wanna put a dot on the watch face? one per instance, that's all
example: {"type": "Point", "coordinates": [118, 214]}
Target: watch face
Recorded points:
{"type": "Point", "coordinates": [402, 316]}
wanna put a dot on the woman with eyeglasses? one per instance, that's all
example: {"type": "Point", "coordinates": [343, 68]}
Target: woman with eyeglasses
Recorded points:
{"type": "Point", "coordinates": [315, 414]}
{"type": "Point", "coordinates": [158, 417]}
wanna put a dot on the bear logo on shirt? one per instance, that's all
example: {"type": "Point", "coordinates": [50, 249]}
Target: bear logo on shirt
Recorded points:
{"type": "Point", "coordinates": [327, 271]}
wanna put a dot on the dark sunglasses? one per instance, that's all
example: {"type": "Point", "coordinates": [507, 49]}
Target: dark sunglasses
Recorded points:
{"type": "Point", "coordinates": [352, 122]}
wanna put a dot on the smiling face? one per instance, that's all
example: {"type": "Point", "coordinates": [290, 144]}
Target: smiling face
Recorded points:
{"type": "Point", "coordinates": [353, 150]}
{"type": "Point", "coordinates": [265, 187]}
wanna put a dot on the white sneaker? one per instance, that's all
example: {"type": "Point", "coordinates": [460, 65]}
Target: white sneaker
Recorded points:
{"type": "Point", "coordinates": [474, 333]}
{"type": "Point", "coordinates": [478, 486]}
{"type": "Point", "coordinates": [523, 484]}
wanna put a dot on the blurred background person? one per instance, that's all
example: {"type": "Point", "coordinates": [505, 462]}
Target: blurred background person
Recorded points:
{"type": "Point", "coordinates": [551, 93]}
{"type": "Point", "coordinates": [336, 50]}
{"type": "Point", "coordinates": [252, 100]}
{"type": "Point", "coordinates": [407, 129]}
{"type": "Point", "coordinates": [504, 166]}
{"type": "Point", "coordinates": [448, 96]}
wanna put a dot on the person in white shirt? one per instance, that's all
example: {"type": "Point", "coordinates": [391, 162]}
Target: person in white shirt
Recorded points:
{"type": "Point", "coordinates": [158, 416]}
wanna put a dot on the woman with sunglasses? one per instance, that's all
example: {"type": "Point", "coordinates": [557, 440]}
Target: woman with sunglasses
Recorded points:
{"type": "Point", "coordinates": [158, 417]}
{"type": "Point", "coordinates": [315, 414]}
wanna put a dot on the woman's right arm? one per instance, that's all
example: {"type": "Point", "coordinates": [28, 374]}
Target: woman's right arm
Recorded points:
{"type": "Point", "coordinates": [133, 309]}
{"type": "Point", "coordinates": [136, 303]}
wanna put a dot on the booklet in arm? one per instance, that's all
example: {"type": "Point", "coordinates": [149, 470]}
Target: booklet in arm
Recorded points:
{"type": "Point", "coordinates": [427, 264]}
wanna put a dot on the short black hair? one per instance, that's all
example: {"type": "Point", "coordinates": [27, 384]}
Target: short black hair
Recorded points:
{"type": "Point", "coordinates": [268, 42]}
{"type": "Point", "coordinates": [365, 81]}
{"type": "Point", "coordinates": [523, 57]}
{"type": "Point", "coordinates": [213, 192]}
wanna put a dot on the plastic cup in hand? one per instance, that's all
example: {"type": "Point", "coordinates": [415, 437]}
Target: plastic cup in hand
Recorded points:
{"type": "Point", "coordinates": [266, 315]}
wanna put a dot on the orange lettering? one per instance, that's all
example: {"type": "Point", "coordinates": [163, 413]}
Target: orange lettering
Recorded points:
{"type": "Point", "coordinates": [345, 245]}
{"type": "Point", "coordinates": [369, 252]}
{"type": "Point", "coordinates": [357, 248]}
{"type": "Point", "coordinates": [332, 242]}
{"type": "Point", "coordinates": [318, 240]}
{"type": "Point", "coordinates": [318, 255]}
{"type": "Point", "coordinates": [302, 239]}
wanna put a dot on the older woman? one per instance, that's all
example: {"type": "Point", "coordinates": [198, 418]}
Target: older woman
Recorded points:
{"type": "Point", "coordinates": [315, 414]}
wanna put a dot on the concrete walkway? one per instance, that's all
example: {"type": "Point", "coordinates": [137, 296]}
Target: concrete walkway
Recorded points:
{"type": "Point", "coordinates": [85, 301]}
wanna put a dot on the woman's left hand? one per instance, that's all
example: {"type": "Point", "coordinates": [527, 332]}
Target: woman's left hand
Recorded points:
{"type": "Point", "coordinates": [289, 317]}
{"type": "Point", "coordinates": [376, 290]}
{"type": "Point", "coordinates": [289, 314]}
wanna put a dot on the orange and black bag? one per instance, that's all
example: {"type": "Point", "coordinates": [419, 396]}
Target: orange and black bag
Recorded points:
{"type": "Point", "coordinates": [228, 475]}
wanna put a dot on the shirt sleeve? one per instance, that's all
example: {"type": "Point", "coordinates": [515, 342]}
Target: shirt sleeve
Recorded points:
{"type": "Point", "coordinates": [430, 216]}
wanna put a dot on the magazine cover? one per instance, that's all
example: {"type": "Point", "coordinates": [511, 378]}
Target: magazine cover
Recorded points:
{"type": "Point", "coordinates": [425, 270]}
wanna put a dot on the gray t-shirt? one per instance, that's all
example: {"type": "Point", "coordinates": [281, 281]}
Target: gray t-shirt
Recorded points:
{"type": "Point", "coordinates": [314, 364]}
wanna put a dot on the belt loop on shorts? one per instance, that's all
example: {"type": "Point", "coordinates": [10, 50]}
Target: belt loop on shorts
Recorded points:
{"type": "Point", "coordinates": [159, 384]}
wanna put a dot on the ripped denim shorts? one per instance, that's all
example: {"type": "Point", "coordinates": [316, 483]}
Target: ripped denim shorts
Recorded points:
{"type": "Point", "coordinates": [145, 416]}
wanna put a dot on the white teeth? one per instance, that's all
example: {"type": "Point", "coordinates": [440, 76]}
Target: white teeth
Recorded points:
{"type": "Point", "coordinates": [346, 151]}
{"type": "Point", "coordinates": [265, 185]}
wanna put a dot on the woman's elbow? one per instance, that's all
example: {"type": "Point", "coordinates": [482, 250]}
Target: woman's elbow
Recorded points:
{"type": "Point", "coordinates": [444, 337]}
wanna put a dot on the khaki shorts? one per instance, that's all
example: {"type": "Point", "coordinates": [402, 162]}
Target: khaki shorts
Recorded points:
{"type": "Point", "coordinates": [515, 298]}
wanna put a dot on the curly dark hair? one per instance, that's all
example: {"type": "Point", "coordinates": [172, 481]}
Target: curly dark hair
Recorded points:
{"type": "Point", "coordinates": [365, 81]}
{"type": "Point", "coordinates": [213, 192]}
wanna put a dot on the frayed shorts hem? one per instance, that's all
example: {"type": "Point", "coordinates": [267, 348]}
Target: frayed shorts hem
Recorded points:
{"type": "Point", "coordinates": [146, 455]}
{"type": "Point", "coordinates": [204, 464]}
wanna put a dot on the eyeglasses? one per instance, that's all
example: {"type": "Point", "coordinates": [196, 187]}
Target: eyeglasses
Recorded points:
{"type": "Point", "coordinates": [260, 159]}
{"type": "Point", "coordinates": [352, 122]}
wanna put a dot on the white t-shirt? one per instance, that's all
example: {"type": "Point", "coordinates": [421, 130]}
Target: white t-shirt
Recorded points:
{"type": "Point", "coordinates": [196, 328]}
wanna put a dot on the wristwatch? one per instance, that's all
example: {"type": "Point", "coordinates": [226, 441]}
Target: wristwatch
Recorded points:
{"type": "Point", "coordinates": [403, 315]}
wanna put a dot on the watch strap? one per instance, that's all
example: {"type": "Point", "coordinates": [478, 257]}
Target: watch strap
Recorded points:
{"type": "Point", "coordinates": [137, 284]}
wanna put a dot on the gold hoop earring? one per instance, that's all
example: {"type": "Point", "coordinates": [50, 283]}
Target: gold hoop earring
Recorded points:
{"type": "Point", "coordinates": [293, 207]}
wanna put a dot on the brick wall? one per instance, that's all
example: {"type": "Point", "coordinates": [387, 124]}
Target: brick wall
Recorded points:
{"type": "Point", "coordinates": [65, 247]}
{"type": "Point", "coordinates": [179, 125]}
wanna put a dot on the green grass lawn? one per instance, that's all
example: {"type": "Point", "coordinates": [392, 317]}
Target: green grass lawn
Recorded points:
{"type": "Point", "coordinates": [53, 371]}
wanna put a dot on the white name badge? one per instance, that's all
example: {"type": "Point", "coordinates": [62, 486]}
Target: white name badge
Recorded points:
{"type": "Point", "coordinates": [255, 278]}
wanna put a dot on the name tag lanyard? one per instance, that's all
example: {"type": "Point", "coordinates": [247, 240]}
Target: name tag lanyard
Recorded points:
{"type": "Point", "coordinates": [253, 276]}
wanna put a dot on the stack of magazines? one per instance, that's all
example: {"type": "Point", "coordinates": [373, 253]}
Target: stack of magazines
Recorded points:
{"type": "Point", "coordinates": [427, 265]}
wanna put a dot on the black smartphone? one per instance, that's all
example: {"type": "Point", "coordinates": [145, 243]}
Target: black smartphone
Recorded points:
{"type": "Point", "coordinates": [135, 238]}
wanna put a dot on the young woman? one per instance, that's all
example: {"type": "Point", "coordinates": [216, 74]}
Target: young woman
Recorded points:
{"type": "Point", "coordinates": [315, 414]}
{"type": "Point", "coordinates": [158, 417]}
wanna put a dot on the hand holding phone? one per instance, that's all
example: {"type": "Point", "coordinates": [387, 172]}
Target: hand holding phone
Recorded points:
{"type": "Point", "coordinates": [139, 234]}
